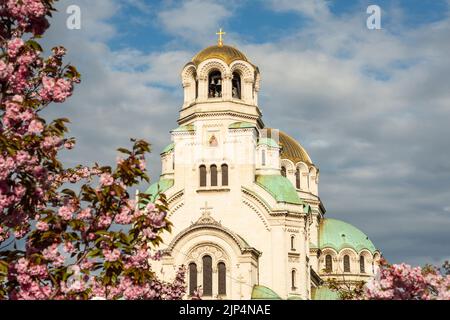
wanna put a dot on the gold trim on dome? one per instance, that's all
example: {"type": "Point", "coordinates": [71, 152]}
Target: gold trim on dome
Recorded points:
{"type": "Point", "coordinates": [225, 53]}
{"type": "Point", "coordinates": [291, 149]}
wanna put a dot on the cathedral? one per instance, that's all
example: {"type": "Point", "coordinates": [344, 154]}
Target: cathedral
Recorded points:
{"type": "Point", "coordinates": [248, 222]}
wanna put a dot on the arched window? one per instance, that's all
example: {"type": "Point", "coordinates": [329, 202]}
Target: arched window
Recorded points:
{"type": "Point", "coordinates": [222, 278]}
{"type": "Point", "coordinates": [297, 178]}
{"type": "Point", "coordinates": [213, 175]}
{"type": "Point", "coordinates": [328, 263]}
{"type": "Point", "coordinates": [236, 86]}
{"type": "Point", "coordinates": [309, 182]}
{"type": "Point", "coordinates": [293, 243]}
{"type": "Point", "coordinates": [294, 279]}
{"type": "Point", "coordinates": [362, 267]}
{"type": "Point", "coordinates": [263, 157]}
{"type": "Point", "coordinates": [215, 84]}
{"type": "Point", "coordinates": [311, 177]}
{"type": "Point", "coordinates": [202, 176]}
{"type": "Point", "coordinates": [196, 88]}
{"type": "Point", "coordinates": [283, 171]}
{"type": "Point", "coordinates": [207, 276]}
{"type": "Point", "coordinates": [192, 278]}
{"type": "Point", "coordinates": [224, 175]}
{"type": "Point", "coordinates": [346, 263]}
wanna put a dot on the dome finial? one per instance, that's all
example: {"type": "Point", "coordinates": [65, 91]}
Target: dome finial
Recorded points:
{"type": "Point", "coordinates": [221, 33]}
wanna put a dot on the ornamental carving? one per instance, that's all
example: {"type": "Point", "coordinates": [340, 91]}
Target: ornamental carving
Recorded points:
{"type": "Point", "coordinates": [211, 65]}
{"type": "Point", "coordinates": [189, 74]}
{"type": "Point", "coordinates": [244, 69]}
{"type": "Point", "coordinates": [215, 252]}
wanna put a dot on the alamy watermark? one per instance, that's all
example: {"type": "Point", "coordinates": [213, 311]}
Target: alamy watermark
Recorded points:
{"type": "Point", "coordinates": [73, 22]}
{"type": "Point", "coordinates": [374, 20]}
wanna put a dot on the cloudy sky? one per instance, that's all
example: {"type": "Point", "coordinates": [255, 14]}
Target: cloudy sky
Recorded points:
{"type": "Point", "coordinates": [372, 107]}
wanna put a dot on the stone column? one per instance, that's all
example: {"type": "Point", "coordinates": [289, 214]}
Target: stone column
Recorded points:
{"type": "Point", "coordinates": [226, 86]}
{"type": "Point", "coordinates": [202, 88]}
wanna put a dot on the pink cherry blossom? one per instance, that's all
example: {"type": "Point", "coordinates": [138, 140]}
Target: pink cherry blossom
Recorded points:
{"type": "Point", "coordinates": [66, 233]}
{"type": "Point", "coordinates": [42, 226]}
{"type": "Point", "coordinates": [26, 8]}
{"type": "Point", "coordinates": [14, 46]}
{"type": "Point", "coordinates": [65, 213]}
{"type": "Point", "coordinates": [85, 214]}
{"type": "Point", "coordinates": [35, 127]}
{"type": "Point", "coordinates": [51, 142]}
{"type": "Point", "coordinates": [111, 255]}
{"type": "Point", "coordinates": [5, 70]}
{"type": "Point", "coordinates": [106, 179]}
{"type": "Point", "coordinates": [142, 164]}
{"type": "Point", "coordinates": [69, 247]}
{"type": "Point", "coordinates": [124, 216]}
{"type": "Point", "coordinates": [104, 221]}
{"type": "Point", "coordinates": [404, 282]}
{"type": "Point", "coordinates": [52, 254]}
{"type": "Point", "coordinates": [57, 90]}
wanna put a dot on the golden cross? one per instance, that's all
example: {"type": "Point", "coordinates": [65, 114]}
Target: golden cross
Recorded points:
{"type": "Point", "coordinates": [221, 33]}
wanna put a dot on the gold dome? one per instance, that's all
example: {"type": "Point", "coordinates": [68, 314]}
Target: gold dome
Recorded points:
{"type": "Point", "coordinates": [225, 53]}
{"type": "Point", "coordinates": [291, 149]}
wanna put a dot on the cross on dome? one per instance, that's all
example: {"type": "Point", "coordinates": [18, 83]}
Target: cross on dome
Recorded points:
{"type": "Point", "coordinates": [221, 33]}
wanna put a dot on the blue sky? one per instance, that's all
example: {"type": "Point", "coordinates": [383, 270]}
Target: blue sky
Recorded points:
{"type": "Point", "coordinates": [257, 22]}
{"type": "Point", "coordinates": [372, 107]}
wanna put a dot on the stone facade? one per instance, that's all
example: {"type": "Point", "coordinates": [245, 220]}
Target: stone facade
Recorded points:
{"type": "Point", "coordinates": [243, 199]}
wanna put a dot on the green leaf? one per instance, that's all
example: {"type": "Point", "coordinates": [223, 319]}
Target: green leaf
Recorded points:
{"type": "Point", "coordinates": [3, 267]}
{"type": "Point", "coordinates": [34, 45]}
{"type": "Point", "coordinates": [69, 192]}
{"type": "Point", "coordinates": [94, 253]}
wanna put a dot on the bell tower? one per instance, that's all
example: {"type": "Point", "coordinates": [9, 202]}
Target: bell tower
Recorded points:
{"type": "Point", "coordinates": [220, 80]}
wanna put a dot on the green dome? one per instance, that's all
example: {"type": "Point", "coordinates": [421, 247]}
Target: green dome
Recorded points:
{"type": "Point", "coordinates": [169, 148]}
{"type": "Point", "coordinates": [338, 235]}
{"type": "Point", "coordinates": [324, 293]}
{"type": "Point", "coordinates": [264, 293]}
{"type": "Point", "coordinates": [280, 188]}
{"type": "Point", "coordinates": [188, 127]}
{"type": "Point", "coordinates": [159, 187]}
{"type": "Point", "coordinates": [241, 125]}
{"type": "Point", "coordinates": [269, 142]}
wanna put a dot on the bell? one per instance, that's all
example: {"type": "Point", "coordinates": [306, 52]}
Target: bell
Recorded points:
{"type": "Point", "coordinates": [219, 83]}
{"type": "Point", "coordinates": [212, 81]}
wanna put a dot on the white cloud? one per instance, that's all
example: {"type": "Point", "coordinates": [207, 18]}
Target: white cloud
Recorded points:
{"type": "Point", "coordinates": [384, 166]}
{"type": "Point", "coordinates": [195, 20]}
{"type": "Point", "coordinates": [316, 9]}
{"type": "Point", "coordinates": [141, 5]}
{"type": "Point", "coordinates": [123, 93]}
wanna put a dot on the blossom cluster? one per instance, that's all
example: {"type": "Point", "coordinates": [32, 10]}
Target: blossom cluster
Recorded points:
{"type": "Point", "coordinates": [96, 241]}
{"type": "Point", "coordinates": [404, 282]}
{"type": "Point", "coordinates": [30, 15]}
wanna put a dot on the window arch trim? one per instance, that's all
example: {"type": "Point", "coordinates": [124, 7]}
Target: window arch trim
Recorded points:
{"type": "Point", "coordinates": [193, 281]}
{"type": "Point", "coordinates": [346, 262]}
{"type": "Point", "coordinates": [225, 174]}
{"type": "Point", "coordinates": [207, 275]}
{"type": "Point", "coordinates": [214, 175]}
{"type": "Point", "coordinates": [328, 263]}
{"type": "Point", "coordinates": [294, 279]}
{"type": "Point", "coordinates": [203, 176]}
{"type": "Point", "coordinates": [362, 264]}
{"type": "Point", "coordinates": [222, 278]}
